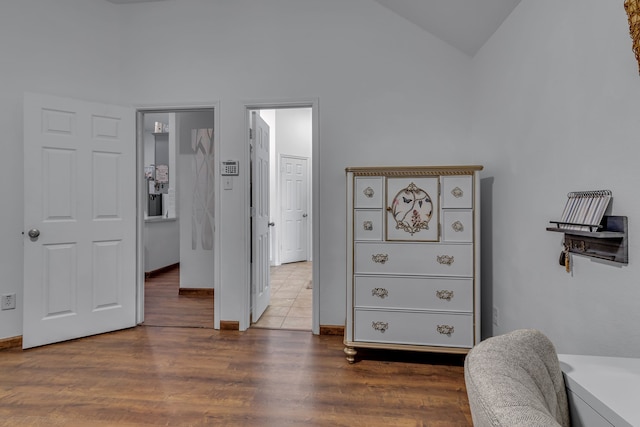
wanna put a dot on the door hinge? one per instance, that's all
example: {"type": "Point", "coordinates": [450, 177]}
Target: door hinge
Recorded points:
{"type": "Point", "coordinates": [250, 133]}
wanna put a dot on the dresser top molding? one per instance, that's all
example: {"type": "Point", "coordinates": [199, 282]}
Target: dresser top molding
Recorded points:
{"type": "Point", "coordinates": [413, 170]}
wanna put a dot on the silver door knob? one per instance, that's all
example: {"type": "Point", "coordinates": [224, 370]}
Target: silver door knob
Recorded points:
{"type": "Point", "coordinates": [304, 215]}
{"type": "Point", "coordinates": [33, 233]}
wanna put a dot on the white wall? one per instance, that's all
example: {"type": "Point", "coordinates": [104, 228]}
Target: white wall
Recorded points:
{"type": "Point", "coordinates": [388, 92]}
{"type": "Point", "coordinates": [549, 105]}
{"type": "Point", "coordinates": [555, 109]}
{"type": "Point", "coordinates": [67, 48]}
{"type": "Point", "coordinates": [149, 149]}
{"type": "Point", "coordinates": [194, 214]}
{"type": "Point", "coordinates": [161, 244]}
{"type": "Point", "coordinates": [294, 131]}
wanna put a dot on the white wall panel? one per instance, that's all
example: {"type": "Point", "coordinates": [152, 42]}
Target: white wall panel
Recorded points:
{"type": "Point", "coordinates": [59, 174]}
{"type": "Point", "coordinates": [106, 185]}
{"type": "Point", "coordinates": [107, 274]}
{"type": "Point", "coordinates": [60, 284]}
{"type": "Point", "coordinates": [105, 127]}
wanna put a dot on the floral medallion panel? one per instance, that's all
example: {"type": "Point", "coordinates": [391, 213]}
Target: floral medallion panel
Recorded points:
{"type": "Point", "coordinates": [412, 209]}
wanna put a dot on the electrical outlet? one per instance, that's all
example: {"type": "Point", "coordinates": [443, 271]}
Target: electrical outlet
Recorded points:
{"type": "Point", "coordinates": [495, 316]}
{"type": "Point", "coordinates": [8, 302]}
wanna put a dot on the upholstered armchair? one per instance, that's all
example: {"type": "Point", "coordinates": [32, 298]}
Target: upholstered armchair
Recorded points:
{"type": "Point", "coordinates": [515, 380]}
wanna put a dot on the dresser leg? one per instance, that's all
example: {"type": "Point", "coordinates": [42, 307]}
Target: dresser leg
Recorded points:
{"type": "Point", "coordinates": [351, 354]}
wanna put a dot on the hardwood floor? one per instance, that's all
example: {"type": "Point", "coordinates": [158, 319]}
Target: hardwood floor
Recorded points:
{"type": "Point", "coordinates": [175, 370]}
{"type": "Point", "coordinates": [151, 376]}
{"type": "Point", "coordinates": [164, 307]}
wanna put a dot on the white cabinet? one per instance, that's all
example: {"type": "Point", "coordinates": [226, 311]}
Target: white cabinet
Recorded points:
{"type": "Point", "coordinates": [413, 248]}
{"type": "Point", "coordinates": [602, 391]}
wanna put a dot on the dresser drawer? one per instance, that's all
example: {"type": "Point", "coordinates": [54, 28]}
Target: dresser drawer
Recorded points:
{"type": "Point", "coordinates": [414, 259]}
{"type": "Point", "coordinates": [457, 226]}
{"type": "Point", "coordinates": [457, 192]}
{"type": "Point", "coordinates": [413, 327]}
{"type": "Point", "coordinates": [367, 224]}
{"type": "Point", "coordinates": [435, 293]}
{"type": "Point", "coordinates": [368, 193]}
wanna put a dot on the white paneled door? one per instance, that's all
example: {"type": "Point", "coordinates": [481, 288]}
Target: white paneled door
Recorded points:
{"type": "Point", "coordinates": [260, 277]}
{"type": "Point", "coordinates": [294, 185]}
{"type": "Point", "coordinates": [80, 213]}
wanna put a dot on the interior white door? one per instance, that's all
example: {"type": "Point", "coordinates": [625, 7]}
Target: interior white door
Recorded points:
{"type": "Point", "coordinates": [80, 210]}
{"type": "Point", "coordinates": [260, 277]}
{"type": "Point", "coordinates": [293, 193]}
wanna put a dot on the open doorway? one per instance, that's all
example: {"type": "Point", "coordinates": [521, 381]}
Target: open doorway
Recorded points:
{"type": "Point", "coordinates": [290, 147]}
{"type": "Point", "coordinates": [178, 155]}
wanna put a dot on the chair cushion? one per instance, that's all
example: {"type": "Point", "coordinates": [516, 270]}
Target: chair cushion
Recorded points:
{"type": "Point", "coordinates": [515, 380]}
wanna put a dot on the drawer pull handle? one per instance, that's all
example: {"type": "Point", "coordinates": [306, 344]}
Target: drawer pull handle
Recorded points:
{"type": "Point", "coordinates": [380, 258]}
{"type": "Point", "coordinates": [445, 259]}
{"type": "Point", "coordinates": [457, 192]}
{"type": "Point", "coordinates": [381, 293]}
{"type": "Point", "coordinates": [445, 329]}
{"type": "Point", "coordinates": [444, 294]}
{"type": "Point", "coordinates": [457, 226]}
{"type": "Point", "coordinates": [367, 225]}
{"type": "Point", "coordinates": [368, 192]}
{"type": "Point", "coordinates": [380, 326]}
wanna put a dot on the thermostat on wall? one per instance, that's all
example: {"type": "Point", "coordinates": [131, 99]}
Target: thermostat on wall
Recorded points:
{"type": "Point", "coordinates": [229, 167]}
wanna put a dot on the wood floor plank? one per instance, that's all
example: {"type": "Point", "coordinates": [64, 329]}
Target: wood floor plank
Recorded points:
{"type": "Point", "coordinates": [164, 306]}
{"type": "Point", "coordinates": [167, 373]}
{"type": "Point", "coordinates": [189, 377]}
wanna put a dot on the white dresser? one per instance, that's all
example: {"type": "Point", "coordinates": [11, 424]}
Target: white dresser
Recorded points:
{"type": "Point", "coordinates": [413, 276]}
{"type": "Point", "coordinates": [602, 391]}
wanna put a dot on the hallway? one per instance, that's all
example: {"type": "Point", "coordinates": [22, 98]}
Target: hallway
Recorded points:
{"type": "Point", "coordinates": [290, 307]}
{"type": "Point", "coordinates": [291, 298]}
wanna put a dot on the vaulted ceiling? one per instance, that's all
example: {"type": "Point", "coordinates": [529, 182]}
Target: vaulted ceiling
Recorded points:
{"type": "Point", "coordinates": [464, 24]}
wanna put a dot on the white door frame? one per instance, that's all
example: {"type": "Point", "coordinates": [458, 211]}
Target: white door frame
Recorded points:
{"type": "Point", "coordinates": [141, 193]}
{"type": "Point", "coordinates": [315, 194]}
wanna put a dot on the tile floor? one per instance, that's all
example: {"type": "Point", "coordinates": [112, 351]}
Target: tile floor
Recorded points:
{"type": "Point", "coordinates": [291, 298]}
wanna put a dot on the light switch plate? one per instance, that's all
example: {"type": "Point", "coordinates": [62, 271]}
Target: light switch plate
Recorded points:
{"type": "Point", "coordinates": [228, 183]}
